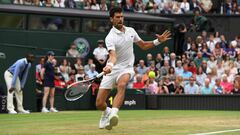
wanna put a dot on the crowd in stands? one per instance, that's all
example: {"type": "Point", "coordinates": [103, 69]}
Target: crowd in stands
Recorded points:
{"type": "Point", "coordinates": [144, 6]}
{"type": "Point", "coordinates": [210, 64]}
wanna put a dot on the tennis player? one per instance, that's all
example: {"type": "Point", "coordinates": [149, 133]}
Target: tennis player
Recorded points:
{"type": "Point", "coordinates": [119, 67]}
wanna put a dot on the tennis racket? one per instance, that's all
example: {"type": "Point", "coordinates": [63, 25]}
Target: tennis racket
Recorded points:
{"type": "Point", "coordinates": [77, 90]}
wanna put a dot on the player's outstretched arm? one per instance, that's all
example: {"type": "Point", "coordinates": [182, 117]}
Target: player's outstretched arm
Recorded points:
{"type": "Point", "coordinates": [111, 61]}
{"type": "Point", "coordinates": [145, 45]}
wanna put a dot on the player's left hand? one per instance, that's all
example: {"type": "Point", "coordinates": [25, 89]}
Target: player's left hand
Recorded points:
{"type": "Point", "coordinates": [164, 37]}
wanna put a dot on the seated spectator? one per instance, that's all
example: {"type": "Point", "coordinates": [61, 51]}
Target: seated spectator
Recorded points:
{"type": "Point", "coordinates": [139, 84]}
{"type": "Point", "coordinates": [169, 84]}
{"type": "Point", "coordinates": [179, 89]}
{"type": "Point", "coordinates": [94, 5]}
{"type": "Point", "coordinates": [198, 59]}
{"type": "Point", "coordinates": [206, 5]}
{"type": "Point", "coordinates": [58, 3]}
{"type": "Point", "coordinates": [141, 68]}
{"type": "Point", "coordinates": [89, 63]}
{"type": "Point", "coordinates": [211, 43]}
{"type": "Point", "coordinates": [191, 88]}
{"type": "Point", "coordinates": [159, 60]}
{"type": "Point", "coordinates": [73, 52]}
{"type": "Point", "coordinates": [207, 88]}
{"type": "Point", "coordinates": [166, 53]}
{"type": "Point", "coordinates": [139, 6]}
{"type": "Point", "coordinates": [231, 52]}
{"type": "Point", "coordinates": [176, 9]}
{"type": "Point", "coordinates": [149, 59]}
{"type": "Point", "coordinates": [151, 6]}
{"type": "Point", "coordinates": [218, 51]}
{"type": "Point", "coordinates": [78, 64]}
{"type": "Point", "coordinates": [65, 69]}
{"type": "Point", "coordinates": [80, 74]}
{"type": "Point", "coordinates": [166, 9]}
{"type": "Point", "coordinates": [223, 42]}
{"type": "Point", "coordinates": [71, 80]}
{"type": "Point", "coordinates": [218, 89]}
{"type": "Point", "coordinates": [164, 69]}
{"type": "Point", "coordinates": [191, 53]}
{"type": "Point", "coordinates": [171, 74]}
{"type": "Point", "coordinates": [212, 62]}
{"type": "Point", "coordinates": [192, 68]}
{"type": "Point", "coordinates": [185, 7]}
{"type": "Point", "coordinates": [151, 84]}
{"type": "Point", "coordinates": [227, 86]}
{"type": "Point", "coordinates": [92, 72]}
{"type": "Point", "coordinates": [179, 68]}
{"type": "Point", "coordinates": [103, 5]}
{"type": "Point", "coordinates": [236, 88]}
{"type": "Point", "coordinates": [219, 68]}
{"type": "Point", "coordinates": [70, 4]}
{"type": "Point", "coordinates": [128, 6]}
{"type": "Point", "coordinates": [59, 82]}
{"type": "Point", "coordinates": [194, 4]}
{"type": "Point", "coordinates": [186, 74]}
{"type": "Point", "coordinates": [200, 77]}
{"type": "Point", "coordinates": [172, 61]}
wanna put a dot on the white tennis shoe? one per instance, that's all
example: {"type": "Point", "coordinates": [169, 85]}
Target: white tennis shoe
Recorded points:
{"type": "Point", "coordinates": [53, 110]}
{"type": "Point", "coordinates": [104, 120]}
{"type": "Point", "coordinates": [45, 110]}
{"type": "Point", "coordinates": [112, 121]}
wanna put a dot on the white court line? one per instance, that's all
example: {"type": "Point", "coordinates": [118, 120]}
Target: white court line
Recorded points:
{"type": "Point", "coordinates": [216, 132]}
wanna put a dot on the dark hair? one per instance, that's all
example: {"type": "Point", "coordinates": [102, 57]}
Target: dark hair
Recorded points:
{"type": "Point", "coordinates": [115, 10]}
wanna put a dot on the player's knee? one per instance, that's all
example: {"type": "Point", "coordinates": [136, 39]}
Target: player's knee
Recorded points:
{"type": "Point", "coordinates": [99, 103]}
{"type": "Point", "coordinates": [122, 85]}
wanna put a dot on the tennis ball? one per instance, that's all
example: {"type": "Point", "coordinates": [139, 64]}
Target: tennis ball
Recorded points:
{"type": "Point", "coordinates": [151, 74]}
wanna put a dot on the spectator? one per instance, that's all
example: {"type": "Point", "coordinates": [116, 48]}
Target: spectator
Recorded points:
{"type": "Point", "coordinates": [73, 52]}
{"type": "Point", "coordinates": [15, 77]}
{"type": "Point", "coordinates": [228, 7]}
{"type": "Point", "coordinates": [94, 5]}
{"type": "Point", "coordinates": [169, 84]}
{"type": "Point", "coordinates": [218, 51]}
{"type": "Point", "coordinates": [207, 88]}
{"type": "Point", "coordinates": [172, 61]}
{"type": "Point", "coordinates": [159, 60]}
{"type": "Point", "coordinates": [191, 88]}
{"type": "Point", "coordinates": [211, 63]}
{"type": "Point", "coordinates": [200, 77]}
{"type": "Point", "coordinates": [192, 51]}
{"type": "Point", "coordinates": [65, 69]}
{"type": "Point", "coordinates": [71, 80]}
{"type": "Point", "coordinates": [141, 68]}
{"type": "Point", "coordinates": [70, 4]}
{"type": "Point", "coordinates": [206, 53]}
{"type": "Point", "coordinates": [59, 82]}
{"type": "Point", "coordinates": [47, 74]}
{"type": "Point", "coordinates": [236, 88]}
{"type": "Point", "coordinates": [200, 22]}
{"type": "Point", "coordinates": [139, 84]}
{"type": "Point", "coordinates": [153, 68]}
{"type": "Point", "coordinates": [206, 5]}
{"type": "Point", "coordinates": [166, 53]}
{"type": "Point", "coordinates": [198, 60]}
{"type": "Point", "coordinates": [149, 59]}
{"type": "Point", "coordinates": [100, 55]}
{"type": "Point", "coordinates": [186, 74]}
{"type": "Point", "coordinates": [164, 69]}
{"type": "Point", "coordinates": [92, 72]}
{"type": "Point", "coordinates": [39, 81]}
{"type": "Point", "coordinates": [166, 9]}
{"type": "Point", "coordinates": [78, 64]}
{"type": "Point", "coordinates": [103, 5]}
{"type": "Point", "coordinates": [176, 8]}
{"type": "Point", "coordinates": [89, 63]}
{"type": "Point", "coordinates": [211, 43]}
{"type": "Point", "coordinates": [179, 68]}
{"type": "Point", "coordinates": [151, 6]}
{"type": "Point", "coordinates": [194, 4]}
{"type": "Point", "coordinates": [227, 86]}
{"type": "Point", "coordinates": [219, 68]}
{"type": "Point", "coordinates": [151, 84]}
{"type": "Point", "coordinates": [192, 68]}
{"type": "Point", "coordinates": [205, 67]}
{"type": "Point", "coordinates": [217, 37]}
{"type": "Point", "coordinates": [171, 74]}
{"type": "Point", "coordinates": [223, 42]}
{"type": "Point", "coordinates": [179, 89]}
{"type": "Point", "coordinates": [231, 52]}
{"type": "Point", "coordinates": [218, 89]}
{"type": "Point", "coordinates": [128, 6]}
{"type": "Point", "coordinates": [185, 6]}
{"type": "Point", "coordinates": [80, 74]}
{"type": "Point", "coordinates": [139, 6]}
{"type": "Point", "coordinates": [58, 3]}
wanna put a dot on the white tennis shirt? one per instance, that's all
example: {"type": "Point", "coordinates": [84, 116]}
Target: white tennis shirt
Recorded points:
{"type": "Point", "coordinates": [122, 44]}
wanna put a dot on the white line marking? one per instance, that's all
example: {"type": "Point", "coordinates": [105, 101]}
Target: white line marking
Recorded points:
{"type": "Point", "coordinates": [217, 132]}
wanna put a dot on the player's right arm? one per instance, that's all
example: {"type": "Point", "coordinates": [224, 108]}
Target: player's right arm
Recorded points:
{"type": "Point", "coordinates": [111, 61]}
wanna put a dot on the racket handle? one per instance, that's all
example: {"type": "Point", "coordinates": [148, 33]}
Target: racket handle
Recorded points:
{"type": "Point", "coordinates": [100, 75]}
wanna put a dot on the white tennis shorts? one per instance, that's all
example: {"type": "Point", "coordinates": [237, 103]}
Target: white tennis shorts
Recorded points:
{"type": "Point", "coordinates": [110, 80]}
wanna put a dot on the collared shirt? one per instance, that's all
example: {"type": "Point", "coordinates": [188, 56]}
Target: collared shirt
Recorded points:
{"type": "Point", "coordinates": [191, 89]}
{"type": "Point", "coordinates": [91, 73]}
{"type": "Point", "coordinates": [206, 90]}
{"type": "Point", "coordinates": [101, 53]}
{"type": "Point", "coordinates": [142, 70]}
{"type": "Point", "coordinates": [122, 44]}
{"type": "Point", "coordinates": [178, 70]}
{"type": "Point", "coordinates": [19, 69]}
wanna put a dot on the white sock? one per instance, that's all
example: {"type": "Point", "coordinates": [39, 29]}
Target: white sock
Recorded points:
{"type": "Point", "coordinates": [115, 110]}
{"type": "Point", "coordinates": [108, 110]}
